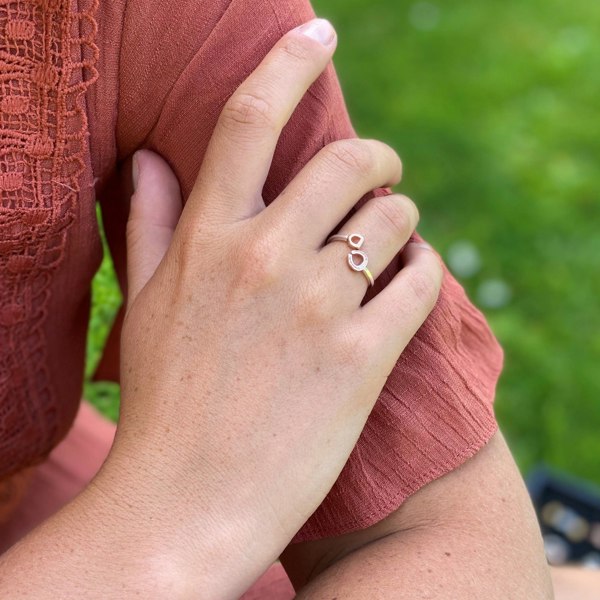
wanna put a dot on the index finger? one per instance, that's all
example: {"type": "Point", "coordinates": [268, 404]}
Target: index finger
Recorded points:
{"type": "Point", "coordinates": [240, 153]}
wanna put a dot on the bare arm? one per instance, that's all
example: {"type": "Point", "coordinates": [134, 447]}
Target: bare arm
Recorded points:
{"type": "Point", "coordinates": [471, 534]}
{"type": "Point", "coordinates": [99, 545]}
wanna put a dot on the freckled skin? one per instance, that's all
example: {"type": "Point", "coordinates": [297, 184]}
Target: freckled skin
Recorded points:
{"type": "Point", "coordinates": [453, 539]}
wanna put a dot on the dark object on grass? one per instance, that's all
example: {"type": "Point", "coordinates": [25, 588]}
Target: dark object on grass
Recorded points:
{"type": "Point", "coordinates": [568, 510]}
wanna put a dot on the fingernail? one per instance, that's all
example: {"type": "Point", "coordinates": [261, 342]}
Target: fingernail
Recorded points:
{"type": "Point", "coordinates": [320, 30]}
{"type": "Point", "coordinates": [135, 170]}
{"type": "Point", "coordinates": [423, 245]}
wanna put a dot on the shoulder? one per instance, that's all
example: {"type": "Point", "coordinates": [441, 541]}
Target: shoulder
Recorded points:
{"type": "Point", "coordinates": [196, 55]}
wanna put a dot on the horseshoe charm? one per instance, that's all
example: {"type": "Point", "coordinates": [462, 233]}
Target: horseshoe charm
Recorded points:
{"type": "Point", "coordinates": [357, 259]}
{"type": "Point", "coordinates": [358, 266]}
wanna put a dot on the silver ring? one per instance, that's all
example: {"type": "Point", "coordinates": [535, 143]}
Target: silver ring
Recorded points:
{"type": "Point", "coordinates": [355, 241]}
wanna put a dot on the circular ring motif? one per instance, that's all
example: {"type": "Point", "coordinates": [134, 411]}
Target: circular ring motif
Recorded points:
{"type": "Point", "coordinates": [355, 241]}
{"type": "Point", "coordinates": [360, 266]}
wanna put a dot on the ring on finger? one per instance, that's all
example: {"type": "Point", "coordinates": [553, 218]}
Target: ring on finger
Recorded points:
{"type": "Point", "coordinates": [355, 241]}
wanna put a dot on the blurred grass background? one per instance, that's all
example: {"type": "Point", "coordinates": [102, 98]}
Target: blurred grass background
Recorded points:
{"type": "Point", "coordinates": [494, 108]}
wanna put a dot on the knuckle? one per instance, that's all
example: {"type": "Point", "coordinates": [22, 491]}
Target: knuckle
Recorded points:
{"type": "Point", "coordinates": [390, 158]}
{"type": "Point", "coordinates": [297, 48]}
{"type": "Point", "coordinates": [353, 155]}
{"type": "Point", "coordinates": [257, 266]}
{"type": "Point", "coordinates": [413, 210]}
{"type": "Point", "coordinates": [425, 286]}
{"type": "Point", "coordinates": [247, 110]}
{"type": "Point", "coordinates": [394, 215]}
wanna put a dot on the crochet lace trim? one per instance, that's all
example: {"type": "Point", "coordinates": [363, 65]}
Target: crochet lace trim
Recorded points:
{"type": "Point", "coordinates": [47, 61]}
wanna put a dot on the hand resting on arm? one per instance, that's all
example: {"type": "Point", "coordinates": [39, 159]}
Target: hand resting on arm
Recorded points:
{"type": "Point", "coordinates": [240, 322]}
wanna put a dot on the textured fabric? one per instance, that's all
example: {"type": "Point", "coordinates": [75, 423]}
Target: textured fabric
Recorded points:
{"type": "Point", "coordinates": [164, 76]}
{"type": "Point", "coordinates": [69, 467]}
{"type": "Point", "coordinates": [46, 253]}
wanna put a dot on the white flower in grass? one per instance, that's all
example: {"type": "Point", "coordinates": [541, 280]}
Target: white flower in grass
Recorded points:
{"type": "Point", "coordinates": [494, 293]}
{"type": "Point", "coordinates": [424, 16]}
{"type": "Point", "coordinates": [464, 259]}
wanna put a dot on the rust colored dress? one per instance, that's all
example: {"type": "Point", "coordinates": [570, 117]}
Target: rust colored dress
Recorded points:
{"type": "Point", "coordinates": [83, 84]}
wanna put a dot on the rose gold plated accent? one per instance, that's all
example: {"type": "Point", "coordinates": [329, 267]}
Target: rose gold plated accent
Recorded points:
{"type": "Point", "coordinates": [355, 241]}
{"type": "Point", "coordinates": [358, 266]}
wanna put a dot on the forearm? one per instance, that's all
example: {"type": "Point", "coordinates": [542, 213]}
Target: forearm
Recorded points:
{"type": "Point", "coordinates": [470, 534]}
{"type": "Point", "coordinates": [93, 547]}
{"type": "Point", "coordinates": [116, 539]}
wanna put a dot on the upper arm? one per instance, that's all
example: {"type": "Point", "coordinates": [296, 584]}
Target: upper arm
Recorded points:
{"type": "Point", "coordinates": [470, 534]}
{"type": "Point", "coordinates": [178, 68]}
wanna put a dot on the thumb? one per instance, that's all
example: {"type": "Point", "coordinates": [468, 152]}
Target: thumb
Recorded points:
{"type": "Point", "coordinates": [153, 215]}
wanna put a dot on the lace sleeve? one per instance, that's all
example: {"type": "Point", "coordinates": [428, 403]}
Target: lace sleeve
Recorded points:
{"type": "Point", "coordinates": [47, 61]}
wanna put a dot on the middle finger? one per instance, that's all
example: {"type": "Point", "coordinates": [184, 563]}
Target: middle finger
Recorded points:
{"type": "Point", "coordinates": [330, 185]}
{"type": "Point", "coordinates": [386, 224]}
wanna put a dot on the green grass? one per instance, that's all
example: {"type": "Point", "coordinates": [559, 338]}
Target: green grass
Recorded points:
{"type": "Point", "coordinates": [106, 299]}
{"type": "Point", "coordinates": [494, 109]}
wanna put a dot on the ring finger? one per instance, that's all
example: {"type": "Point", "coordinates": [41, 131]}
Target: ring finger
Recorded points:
{"type": "Point", "coordinates": [384, 225]}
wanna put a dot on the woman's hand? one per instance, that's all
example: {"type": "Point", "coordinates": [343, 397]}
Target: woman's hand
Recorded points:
{"type": "Point", "coordinates": [249, 366]}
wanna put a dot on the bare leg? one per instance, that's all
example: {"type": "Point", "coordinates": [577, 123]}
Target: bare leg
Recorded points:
{"type": "Point", "coordinates": [573, 583]}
